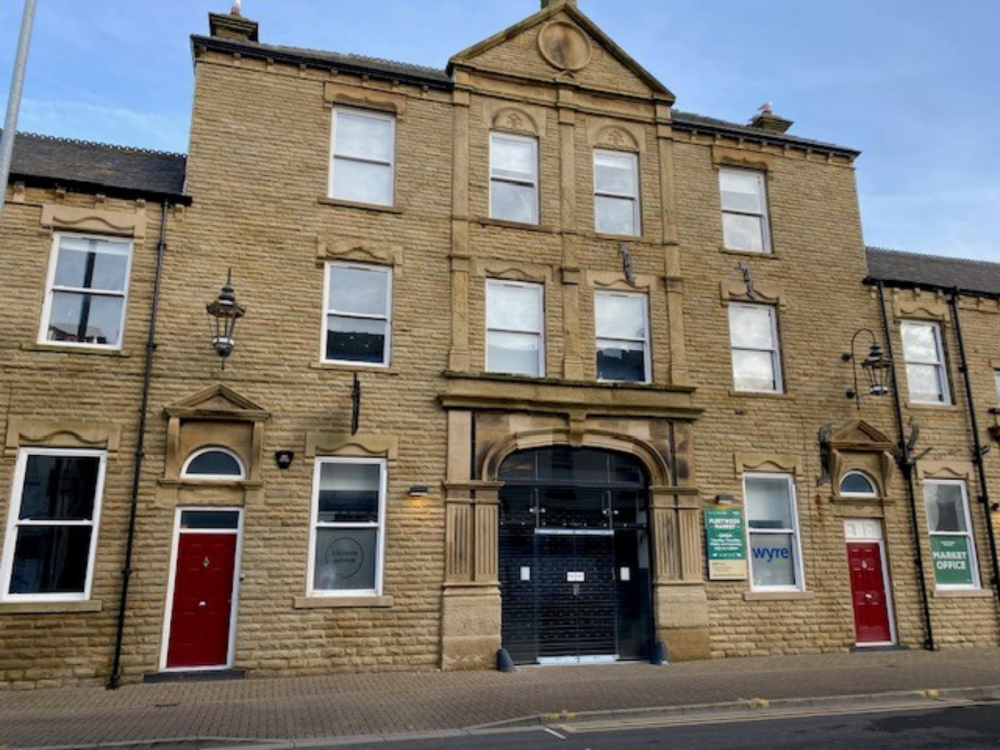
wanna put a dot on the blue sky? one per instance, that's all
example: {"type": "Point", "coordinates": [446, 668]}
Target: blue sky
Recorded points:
{"type": "Point", "coordinates": [911, 83]}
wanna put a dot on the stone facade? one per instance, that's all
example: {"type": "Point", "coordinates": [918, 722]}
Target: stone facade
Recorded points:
{"type": "Point", "coordinates": [257, 179]}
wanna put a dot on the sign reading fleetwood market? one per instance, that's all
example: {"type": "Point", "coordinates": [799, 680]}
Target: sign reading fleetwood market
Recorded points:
{"type": "Point", "coordinates": [726, 542]}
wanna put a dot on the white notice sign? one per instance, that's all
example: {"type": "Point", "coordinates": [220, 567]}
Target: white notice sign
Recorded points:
{"type": "Point", "coordinates": [576, 577]}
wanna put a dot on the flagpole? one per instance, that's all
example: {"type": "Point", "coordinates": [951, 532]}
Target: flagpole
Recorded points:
{"type": "Point", "coordinates": [14, 99]}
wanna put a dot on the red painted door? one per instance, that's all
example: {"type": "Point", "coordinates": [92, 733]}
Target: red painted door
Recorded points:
{"type": "Point", "coordinates": [871, 610]}
{"type": "Point", "coordinates": [203, 601]}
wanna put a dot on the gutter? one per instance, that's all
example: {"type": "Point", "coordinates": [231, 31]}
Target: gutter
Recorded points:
{"type": "Point", "coordinates": [906, 464]}
{"type": "Point", "coordinates": [112, 191]}
{"type": "Point", "coordinates": [977, 446]}
{"type": "Point", "coordinates": [321, 61]}
{"type": "Point", "coordinates": [930, 287]}
{"type": "Point", "coordinates": [114, 681]}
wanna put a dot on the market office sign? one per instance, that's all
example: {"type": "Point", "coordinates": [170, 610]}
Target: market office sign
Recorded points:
{"type": "Point", "coordinates": [952, 561]}
{"type": "Point", "coordinates": [726, 542]}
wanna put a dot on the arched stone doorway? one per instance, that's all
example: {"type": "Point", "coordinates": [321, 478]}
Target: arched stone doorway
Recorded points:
{"type": "Point", "coordinates": [574, 555]}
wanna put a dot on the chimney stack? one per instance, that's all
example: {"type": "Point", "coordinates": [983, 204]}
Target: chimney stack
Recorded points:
{"type": "Point", "coordinates": [767, 120]}
{"type": "Point", "coordinates": [233, 25]}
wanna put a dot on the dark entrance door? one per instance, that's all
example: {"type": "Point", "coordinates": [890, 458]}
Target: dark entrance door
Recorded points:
{"type": "Point", "coordinates": [201, 614]}
{"type": "Point", "coordinates": [871, 609]}
{"type": "Point", "coordinates": [574, 556]}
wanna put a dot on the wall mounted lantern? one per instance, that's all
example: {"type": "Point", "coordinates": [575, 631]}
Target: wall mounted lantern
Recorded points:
{"type": "Point", "coordinates": [222, 317]}
{"type": "Point", "coordinates": [877, 367]}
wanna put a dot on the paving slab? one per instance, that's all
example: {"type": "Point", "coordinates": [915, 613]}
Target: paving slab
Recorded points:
{"type": "Point", "coordinates": [383, 704]}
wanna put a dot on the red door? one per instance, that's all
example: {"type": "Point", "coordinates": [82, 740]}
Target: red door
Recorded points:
{"type": "Point", "coordinates": [203, 601]}
{"type": "Point", "coordinates": [871, 610]}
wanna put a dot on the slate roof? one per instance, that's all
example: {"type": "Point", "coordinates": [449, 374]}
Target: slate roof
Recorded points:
{"type": "Point", "coordinates": [98, 167]}
{"type": "Point", "coordinates": [897, 268]}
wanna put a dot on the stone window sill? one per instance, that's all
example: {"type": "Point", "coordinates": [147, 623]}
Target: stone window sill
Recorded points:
{"type": "Point", "coordinates": [748, 253]}
{"type": "Point", "coordinates": [760, 394]}
{"type": "Point", "coordinates": [963, 594]}
{"type": "Point", "coordinates": [487, 222]}
{"type": "Point", "coordinates": [363, 206]}
{"type": "Point", "coordinates": [76, 349]}
{"type": "Point", "coordinates": [50, 608]}
{"type": "Point", "coordinates": [359, 367]}
{"type": "Point", "coordinates": [638, 239]}
{"type": "Point", "coordinates": [343, 602]}
{"type": "Point", "coordinates": [778, 596]}
{"type": "Point", "coordinates": [931, 407]}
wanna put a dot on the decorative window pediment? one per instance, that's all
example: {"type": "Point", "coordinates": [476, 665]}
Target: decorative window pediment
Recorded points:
{"type": "Point", "coordinates": [216, 416]}
{"type": "Point", "coordinates": [858, 460]}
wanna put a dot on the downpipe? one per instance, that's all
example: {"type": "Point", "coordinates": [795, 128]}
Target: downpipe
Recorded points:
{"type": "Point", "coordinates": [906, 466]}
{"type": "Point", "coordinates": [114, 681]}
{"type": "Point", "coordinates": [979, 451]}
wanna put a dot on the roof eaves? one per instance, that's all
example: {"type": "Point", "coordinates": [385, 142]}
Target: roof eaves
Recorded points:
{"type": "Point", "coordinates": [385, 70]}
{"type": "Point", "coordinates": [90, 187]}
{"type": "Point", "coordinates": [690, 122]}
{"type": "Point", "coordinates": [899, 279]}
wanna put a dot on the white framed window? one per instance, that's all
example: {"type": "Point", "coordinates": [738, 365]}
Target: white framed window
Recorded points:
{"type": "Point", "coordinates": [348, 527]}
{"type": "Point", "coordinates": [363, 157]}
{"type": "Point", "coordinates": [51, 537]}
{"type": "Point", "coordinates": [857, 484]}
{"type": "Point", "coordinates": [926, 376]}
{"type": "Point", "coordinates": [357, 324]}
{"type": "Point", "coordinates": [215, 464]}
{"type": "Point", "coordinates": [86, 292]}
{"type": "Point", "coordinates": [514, 178]}
{"type": "Point", "coordinates": [616, 193]}
{"type": "Point", "coordinates": [953, 549]}
{"type": "Point", "coordinates": [744, 210]}
{"type": "Point", "coordinates": [773, 532]}
{"type": "Point", "coordinates": [753, 333]}
{"type": "Point", "coordinates": [996, 379]}
{"type": "Point", "coordinates": [621, 322]}
{"type": "Point", "coordinates": [515, 324]}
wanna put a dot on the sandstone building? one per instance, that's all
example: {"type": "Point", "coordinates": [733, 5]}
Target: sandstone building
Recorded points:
{"type": "Point", "coordinates": [531, 361]}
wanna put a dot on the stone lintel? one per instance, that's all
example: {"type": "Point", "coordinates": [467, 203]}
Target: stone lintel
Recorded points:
{"type": "Point", "coordinates": [585, 398]}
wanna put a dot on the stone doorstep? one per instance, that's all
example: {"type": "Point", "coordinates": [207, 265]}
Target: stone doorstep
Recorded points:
{"type": "Point", "coordinates": [211, 675]}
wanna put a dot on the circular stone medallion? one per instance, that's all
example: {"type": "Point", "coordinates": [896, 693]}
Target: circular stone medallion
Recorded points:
{"type": "Point", "coordinates": [564, 46]}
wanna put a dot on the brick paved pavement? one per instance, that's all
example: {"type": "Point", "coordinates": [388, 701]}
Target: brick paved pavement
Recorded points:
{"type": "Point", "coordinates": [372, 704]}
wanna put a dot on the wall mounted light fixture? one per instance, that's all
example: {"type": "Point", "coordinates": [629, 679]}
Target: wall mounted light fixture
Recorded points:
{"type": "Point", "coordinates": [223, 314]}
{"type": "Point", "coordinates": [877, 367]}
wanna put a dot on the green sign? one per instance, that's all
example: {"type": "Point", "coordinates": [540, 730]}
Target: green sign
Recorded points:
{"type": "Point", "coordinates": [952, 563]}
{"type": "Point", "coordinates": [727, 551]}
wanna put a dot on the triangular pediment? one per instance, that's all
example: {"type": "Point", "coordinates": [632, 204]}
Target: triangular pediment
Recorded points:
{"type": "Point", "coordinates": [859, 435]}
{"type": "Point", "coordinates": [218, 401]}
{"type": "Point", "coordinates": [561, 43]}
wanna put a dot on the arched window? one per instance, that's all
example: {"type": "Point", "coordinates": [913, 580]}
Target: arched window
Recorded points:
{"type": "Point", "coordinates": [213, 463]}
{"type": "Point", "coordinates": [857, 484]}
